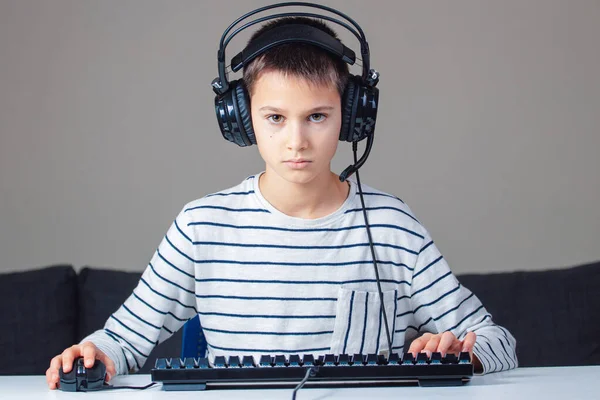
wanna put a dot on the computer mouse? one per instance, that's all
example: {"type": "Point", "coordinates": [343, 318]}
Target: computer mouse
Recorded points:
{"type": "Point", "coordinates": [82, 379]}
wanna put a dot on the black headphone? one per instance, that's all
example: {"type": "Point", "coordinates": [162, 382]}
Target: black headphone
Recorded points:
{"type": "Point", "coordinates": [360, 98]}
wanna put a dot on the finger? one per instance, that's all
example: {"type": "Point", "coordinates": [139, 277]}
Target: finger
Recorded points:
{"type": "Point", "coordinates": [419, 344]}
{"type": "Point", "coordinates": [52, 372]}
{"type": "Point", "coordinates": [88, 350]}
{"type": "Point", "coordinates": [111, 369]}
{"type": "Point", "coordinates": [68, 356]}
{"type": "Point", "coordinates": [448, 339]}
{"type": "Point", "coordinates": [455, 348]}
{"type": "Point", "coordinates": [55, 365]}
{"type": "Point", "coordinates": [52, 384]}
{"type": "Point", "coordinates": [91, 353]}
{"type": "Point", "coordinates": [432, 344]}
{"type": "Point", "coordinates": [469, 342]}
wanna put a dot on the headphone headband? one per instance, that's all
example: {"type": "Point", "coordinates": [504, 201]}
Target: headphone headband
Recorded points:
{"type": "Point", "coordinates": [293, 33]}
{"type": "Point", "coordinates": [221, 84]}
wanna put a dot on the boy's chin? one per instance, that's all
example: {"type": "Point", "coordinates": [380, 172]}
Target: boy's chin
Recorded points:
{"type": "Point", "coordinates": [298, 177]}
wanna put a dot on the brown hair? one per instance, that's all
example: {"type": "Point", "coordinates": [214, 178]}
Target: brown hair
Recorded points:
{"type": "Point", "coordinates": [315, 65]}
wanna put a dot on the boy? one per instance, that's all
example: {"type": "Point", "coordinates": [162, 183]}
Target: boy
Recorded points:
{"type": "Point", "coordinates": [281, 263]}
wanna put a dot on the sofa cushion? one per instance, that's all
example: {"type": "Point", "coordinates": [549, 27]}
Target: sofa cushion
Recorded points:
{"type": "Point", "coordinates": [101, 292]}
{"type": "Point", "coordinates": [39, 311]}
{"type": "Point", "coordinates": [553, 314]}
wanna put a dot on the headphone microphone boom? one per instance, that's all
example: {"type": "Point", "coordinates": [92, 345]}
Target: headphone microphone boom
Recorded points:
{"type": "Point", "coordinates": [354, 167]}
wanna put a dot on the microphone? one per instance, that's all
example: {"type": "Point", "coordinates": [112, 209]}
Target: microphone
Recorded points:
{"type": "Point", "coordinates": [354, 167]}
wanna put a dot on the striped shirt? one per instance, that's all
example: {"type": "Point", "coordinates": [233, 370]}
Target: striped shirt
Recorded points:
{"type": "Point", "coordinates": [263, 282]}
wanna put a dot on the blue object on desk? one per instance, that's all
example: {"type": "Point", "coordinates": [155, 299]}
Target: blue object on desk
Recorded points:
{"type": "Point", "coordinates": [193, 343]}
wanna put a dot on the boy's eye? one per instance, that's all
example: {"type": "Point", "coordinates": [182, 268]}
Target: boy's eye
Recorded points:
{"type": "Point", "coordinates": [278, 119]}
{"type": "Point", "coordinates": [275, 118]}
{"type": "Point", "coordinates": [317, 117]}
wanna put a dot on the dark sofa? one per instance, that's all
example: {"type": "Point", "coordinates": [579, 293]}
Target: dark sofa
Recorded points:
{"type": "Point", "coordinates": [554, 314]}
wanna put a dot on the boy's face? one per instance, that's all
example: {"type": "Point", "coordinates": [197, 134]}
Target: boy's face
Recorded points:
{"type": "Point", "coordinates": [296, 125]}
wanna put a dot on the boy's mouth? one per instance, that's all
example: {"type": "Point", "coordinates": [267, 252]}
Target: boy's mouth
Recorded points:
{"type": "Point", "coordinates": [297, 160]}
{"type": "Point", "coordinates": [297, 163]}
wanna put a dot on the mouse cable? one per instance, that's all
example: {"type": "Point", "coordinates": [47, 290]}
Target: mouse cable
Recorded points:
{"type": "Point", "coordinates": [109, 387]}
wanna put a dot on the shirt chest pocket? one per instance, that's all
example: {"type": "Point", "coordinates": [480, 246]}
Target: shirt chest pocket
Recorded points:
{"type": "Point", "coordinates": [359, 323]}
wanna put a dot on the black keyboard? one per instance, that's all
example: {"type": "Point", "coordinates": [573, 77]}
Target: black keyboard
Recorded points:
{"type": "Point", "coordinates": [326, 371]}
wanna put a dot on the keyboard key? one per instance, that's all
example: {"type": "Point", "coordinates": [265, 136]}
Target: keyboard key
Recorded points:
{"type": "Point", "coordinates": [464, 358]}
{"type": "Point", "coordinates": [234, 362]}
{"type": "Point", "coordinates": [436, 358]}
{"type": "Point", "coordinates": [203, 363]}
{"type": "Point", "coordinates": [343, 360]}
{"type": "Point", "coordinates": [394, 359]}
{"type": "Point", "coordinates": [371, 359]}
{"type": "Point", "coordinates": [247, 361]}
{"type": "Point", "coordinates": [265, 361]}
{"type": "Point", "coordinates": [308, 360]}
{"type": "Point", "coordinates": [329, 360]}
{"type": "Point", "coordinates": [280, 361]}
{"type": "Point", "coordinates": [408, 359]}
{"type": "Point", "coordinates": [450, 359]}
{"type": "Point", "coordinates": [190, 363]}
{"type": "Point", "coordinates": [220, 362]}
{"type": "Point", "coordinates": [422, 358]}
{"type": "Point", "coordinates": [294, 360]}
{"type": "Point", "coordinates": [358, 360]}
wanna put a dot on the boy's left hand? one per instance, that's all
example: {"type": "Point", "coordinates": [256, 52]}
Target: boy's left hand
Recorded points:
{"type": "Point", "coordinates": [445, 343]}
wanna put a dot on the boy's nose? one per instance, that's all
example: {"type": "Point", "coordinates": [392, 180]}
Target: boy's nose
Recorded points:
{"type": "Point", "coordinates": [297, 139]}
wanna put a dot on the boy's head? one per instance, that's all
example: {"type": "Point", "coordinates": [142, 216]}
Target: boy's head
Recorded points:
{"type": "Point", "coordinates": [295, 92]}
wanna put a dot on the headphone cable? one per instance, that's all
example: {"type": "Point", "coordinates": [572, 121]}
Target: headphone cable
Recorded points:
{"type": "Point", "coordinates": [362, 201]}
{"type": "Point", "coordinates": [309, 371]}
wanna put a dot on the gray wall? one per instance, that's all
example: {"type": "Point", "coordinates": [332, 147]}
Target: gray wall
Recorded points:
{"type": "Point", "coordinates": [488, 126]}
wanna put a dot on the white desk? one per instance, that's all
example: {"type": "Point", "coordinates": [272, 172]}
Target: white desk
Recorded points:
{"type": "Point", "coordinates": [522, 383]}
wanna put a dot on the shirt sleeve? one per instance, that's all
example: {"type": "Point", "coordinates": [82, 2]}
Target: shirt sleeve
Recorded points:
{"type": "Point", "coordinates": [163, 300]}
{"type": "Point", "coordinates": [440, 303]}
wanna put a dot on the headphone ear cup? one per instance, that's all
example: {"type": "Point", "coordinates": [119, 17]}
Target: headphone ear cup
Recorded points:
{"type": "Point", "coordinates": [348, 106]}
{"type": "Point", "coordinates": [234, 122]}
{"type": "Point", "coordinates": [243, 104]}
{"type": "Point", "coordinates": [359, 111]}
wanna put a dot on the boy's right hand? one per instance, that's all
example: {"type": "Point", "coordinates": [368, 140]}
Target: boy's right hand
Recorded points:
{"type": "Point", "coordinates": [88, 351]}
